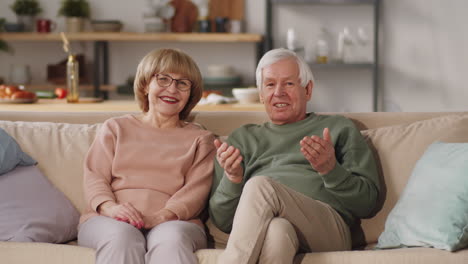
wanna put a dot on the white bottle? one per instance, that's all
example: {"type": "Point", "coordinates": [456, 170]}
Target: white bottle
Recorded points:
{"type": "Point", "coordinates": [291, 40]}
{"type": "Point", "coordinates": [365, 50]}
{"type": "Point", "coordinates": [347, 51]}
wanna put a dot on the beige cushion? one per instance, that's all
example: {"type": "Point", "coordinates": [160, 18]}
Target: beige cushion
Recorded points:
{"type": "Point", "coordinates": [59, 150]}
{"type": "Point", "coordinates": [397, 149]}
{"type": "Point", "coordinates": [400, 256]}
{"type": "Point", "coordinates": [394, 256]}
{"type": "Point", "coordinates": [44, 253]}
{"type": "Point", "coordinates": [457, 134]}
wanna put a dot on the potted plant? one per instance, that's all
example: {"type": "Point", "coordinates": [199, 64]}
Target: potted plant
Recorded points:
{"type": "Point", "coordinates": [75, 12]}
{"type": "Point", "coordinates": [26, 10]}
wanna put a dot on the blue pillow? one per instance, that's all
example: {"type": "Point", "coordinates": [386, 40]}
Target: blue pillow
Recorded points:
{"type": "Point", "coordinates": [433, 208]}
{"type": "Point", "coordinates": [11, 154]}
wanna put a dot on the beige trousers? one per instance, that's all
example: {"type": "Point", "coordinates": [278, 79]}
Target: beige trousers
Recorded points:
{"type": "Point", "coordinates": [272, 222]}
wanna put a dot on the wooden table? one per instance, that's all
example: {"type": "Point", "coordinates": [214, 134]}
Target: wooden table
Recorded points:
{"type": "Point", "coordinates": [60, 105]}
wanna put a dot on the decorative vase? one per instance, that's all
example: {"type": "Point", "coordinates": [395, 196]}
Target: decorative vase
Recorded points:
{"type": "Point", "coordinates": [74, 24]}
{"type": "Point", "coordinates": [27, 21]}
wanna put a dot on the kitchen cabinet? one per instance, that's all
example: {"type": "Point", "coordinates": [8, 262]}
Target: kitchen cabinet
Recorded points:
{"type": "Point", "coordinates": [101, 40]}
{"type": "Point", "coordinates": [372, 66]}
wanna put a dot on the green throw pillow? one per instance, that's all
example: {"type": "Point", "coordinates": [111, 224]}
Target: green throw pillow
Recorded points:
{"type": "Point", "coordinates": [433, 208]}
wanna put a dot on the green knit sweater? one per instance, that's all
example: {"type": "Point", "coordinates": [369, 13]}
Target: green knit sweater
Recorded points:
{"type": "Point", "coordinates": [351, 188]}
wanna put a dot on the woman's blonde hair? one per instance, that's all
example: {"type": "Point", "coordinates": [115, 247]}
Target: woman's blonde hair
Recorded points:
{"type": "Point", "coordinates": [167, 60]}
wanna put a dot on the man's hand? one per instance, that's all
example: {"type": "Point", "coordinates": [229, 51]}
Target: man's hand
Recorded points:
{"type": "Point", "coordinates": [122, 212]}
{"type": "Point", "coordinates": [319, 152]}
{"type": "Point", "coordinates": [230, 160]}
{"type": "Point", "coordinates": [159, 217]}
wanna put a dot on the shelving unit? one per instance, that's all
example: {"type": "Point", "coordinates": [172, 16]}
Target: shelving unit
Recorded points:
{"type": "Point", "coordinates": [268, 39]}
{"type": "Point", "coordinates": [101, 50]}
{"type": "Point", "coordinates": [132, 36]}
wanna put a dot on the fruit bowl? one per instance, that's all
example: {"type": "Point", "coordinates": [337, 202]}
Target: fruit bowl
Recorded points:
{"type": "Point", "coordinates": [245, 95]}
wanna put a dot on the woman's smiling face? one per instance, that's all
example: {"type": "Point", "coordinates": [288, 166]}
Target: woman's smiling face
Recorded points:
{"type": "Point", "coordinates": [168, 101]}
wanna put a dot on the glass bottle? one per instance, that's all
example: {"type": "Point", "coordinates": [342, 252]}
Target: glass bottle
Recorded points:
{"type": "Point", "coordinates": [73, 80]}
{"type": "Point", "coordinates": [322, 48]}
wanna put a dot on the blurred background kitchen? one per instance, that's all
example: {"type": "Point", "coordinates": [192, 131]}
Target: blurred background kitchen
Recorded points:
{"type": "Point", "coordinates": [422, 54]}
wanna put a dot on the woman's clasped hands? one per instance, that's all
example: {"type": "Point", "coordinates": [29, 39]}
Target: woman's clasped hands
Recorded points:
{"type": "Point", "coordinates": [125, 212]}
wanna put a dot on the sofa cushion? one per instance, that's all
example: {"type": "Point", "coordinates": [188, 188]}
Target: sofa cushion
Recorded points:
{"type": "Point", "coordinates": [45, 253]}
{"type": "Point", "coordinates": [11, 154]}
{"type": "Point", "coordinates": [32, 210]}
{"type": "Point", "coordinates": [397, 150]}
{"type": "Point", "coordinates": [399, 256]}
{"type": "Point", "coordinates": [433, 209]}
{"type": "Point", "coordinates": [59, 150]}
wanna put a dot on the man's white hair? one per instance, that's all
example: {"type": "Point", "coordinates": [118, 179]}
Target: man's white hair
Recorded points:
{"type": "Point", "coordinates": [275, 55]}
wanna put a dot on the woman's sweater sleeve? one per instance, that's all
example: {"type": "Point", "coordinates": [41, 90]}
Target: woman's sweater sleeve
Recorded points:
{"type": "Point", "coordinates": [98, 168]}
{"type": "Point", "coordinates": [190, 200]}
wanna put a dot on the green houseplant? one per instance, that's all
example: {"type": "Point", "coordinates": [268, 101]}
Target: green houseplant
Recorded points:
{"type": "Point", "coordinates": [75, 12]}
{"type": "Point", "coordinates": [26, 7]}
{"type": "Point", "coordinates": [5, 47]}
{"type": "Point", "coordinates": [26, 10]}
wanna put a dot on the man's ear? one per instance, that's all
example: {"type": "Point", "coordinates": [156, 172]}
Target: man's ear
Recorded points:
{"type": "Point", "coordinates": [260, 94]}
{"type": "Point", "coordinates": [309, 87]}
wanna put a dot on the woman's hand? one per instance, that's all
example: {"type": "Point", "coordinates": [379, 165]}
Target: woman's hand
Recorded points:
{"type": "Point", "coordinates": [159, 217]}
{"type": "Point", "coordinates": [230, 160]}
{"type": "Point", "coordinates": [122, 212]}
{"type": "Point", "coordinates": [319, 152]}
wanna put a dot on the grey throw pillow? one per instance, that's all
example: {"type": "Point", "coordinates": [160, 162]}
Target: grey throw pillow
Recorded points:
{"type": "Point", "coordinates": [33, 210]}
{"type": "Point", "coordinates": [11, 154]}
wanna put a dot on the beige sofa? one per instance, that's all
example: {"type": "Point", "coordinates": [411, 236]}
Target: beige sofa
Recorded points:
{"type": "Point", "coordinates": [59, 141]}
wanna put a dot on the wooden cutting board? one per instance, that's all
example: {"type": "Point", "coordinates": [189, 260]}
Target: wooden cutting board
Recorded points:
{"type": "Point", "coordinates": [232, 9]}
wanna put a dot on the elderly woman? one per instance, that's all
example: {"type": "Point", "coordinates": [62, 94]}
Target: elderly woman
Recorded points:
{"type": "Point", "coordinates": [147, 176]}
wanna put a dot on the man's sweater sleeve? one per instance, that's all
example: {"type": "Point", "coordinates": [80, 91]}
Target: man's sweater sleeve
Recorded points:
{"type": "Point", "coordinates": [224, 197]}
{"type": "Point", "coordinates": [354, 180]}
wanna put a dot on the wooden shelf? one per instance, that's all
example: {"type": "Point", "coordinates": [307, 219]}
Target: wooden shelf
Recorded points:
{"type": "Point", "coordinates": [132, 36]}
{"type": "Point", "coordinates": [325, 2]}
{"type": "Point", "coordinates": [82, 87]}
{"type": "Point", "coordinates": [335, 65]}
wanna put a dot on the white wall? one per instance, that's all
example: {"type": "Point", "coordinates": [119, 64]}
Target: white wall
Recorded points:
{"type": "Point", "coordinates": [423, 50]}
{"type": "Point", "coordinates": [425, 56]}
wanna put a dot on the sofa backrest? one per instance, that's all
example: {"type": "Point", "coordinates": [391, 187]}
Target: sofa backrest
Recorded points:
{"type": "Point", "coordinates": [59, 142]}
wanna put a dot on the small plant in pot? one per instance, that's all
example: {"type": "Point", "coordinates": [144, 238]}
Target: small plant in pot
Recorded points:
{"type": "Point", "coordinates": [75, 12]}
{"type": "Point", "coordinates": [26, 11]}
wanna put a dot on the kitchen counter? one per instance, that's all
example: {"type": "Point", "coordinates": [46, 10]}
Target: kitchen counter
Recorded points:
{"type": "Point", "coordinates": [60, 105]}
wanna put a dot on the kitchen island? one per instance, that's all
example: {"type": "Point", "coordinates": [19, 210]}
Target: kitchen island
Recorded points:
{"type": "Point", "coordinates": [61, 105]}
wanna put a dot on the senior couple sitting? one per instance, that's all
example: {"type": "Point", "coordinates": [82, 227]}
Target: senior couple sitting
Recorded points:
{"type": "Point", "coordinates": [294, 184]}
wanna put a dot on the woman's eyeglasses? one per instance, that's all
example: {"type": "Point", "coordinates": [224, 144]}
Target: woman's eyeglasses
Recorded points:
{"type": "Point", "coordinates": [166, 80]}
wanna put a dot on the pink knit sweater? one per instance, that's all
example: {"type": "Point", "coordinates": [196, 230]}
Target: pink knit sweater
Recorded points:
{"type": "Point", "coordinates": [151, 168]}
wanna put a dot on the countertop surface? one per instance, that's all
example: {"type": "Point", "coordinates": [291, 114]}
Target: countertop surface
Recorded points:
{"type": "Point", "coordinates": [61, 105]}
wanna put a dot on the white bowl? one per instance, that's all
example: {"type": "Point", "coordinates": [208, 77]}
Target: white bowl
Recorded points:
{"type": "Point", "coordinates": [246, 95]}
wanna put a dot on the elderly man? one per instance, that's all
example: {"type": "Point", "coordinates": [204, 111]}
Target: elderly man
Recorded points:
{"type": "Point", "coordinates": [295, 183]}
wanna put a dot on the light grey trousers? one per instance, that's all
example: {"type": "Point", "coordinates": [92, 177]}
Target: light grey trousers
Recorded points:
{"type": "Point", "coordinates": [118, 242]}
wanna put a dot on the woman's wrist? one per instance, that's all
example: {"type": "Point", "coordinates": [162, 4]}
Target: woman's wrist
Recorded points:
{"type": "Point", "coordinates": [101, 209]}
